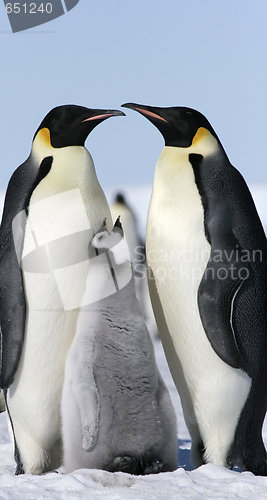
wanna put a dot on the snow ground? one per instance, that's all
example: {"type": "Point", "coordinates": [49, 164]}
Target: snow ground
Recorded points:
{"type": "Point", "coordinates": [208, 481]}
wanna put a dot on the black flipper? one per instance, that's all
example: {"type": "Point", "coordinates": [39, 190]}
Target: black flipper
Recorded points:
{"type": "Point", "coordinates": [223, 278]}
{"type": "Point", "coordinates": [12, 312]}
{"type": "Point", "coordinates": [232, 293]}
{"type": "Point", "coordinates": [19, 468]}
{"type": "Point", "coordinates": [12, 300]}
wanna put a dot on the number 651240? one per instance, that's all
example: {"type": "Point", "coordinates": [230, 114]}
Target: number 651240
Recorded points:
{"type": "Point", "coordinates": [16, 8]}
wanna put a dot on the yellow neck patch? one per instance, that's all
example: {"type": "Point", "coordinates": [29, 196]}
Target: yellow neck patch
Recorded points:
{"type": "Point", "coordinates": [202, 134]}
{"type": "Point", "coordinates": [204, 142]}
{"type": "Point", "coordinates": [44, 136]}
{"type": "Point", "coordinates": [41, 146]}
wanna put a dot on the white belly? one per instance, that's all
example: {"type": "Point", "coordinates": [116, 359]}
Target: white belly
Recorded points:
{"type": "Point", "coordinates": [62, 220]}
{"type": "Point", "coordinates": [178, 252]}
{"type": "Point", "coordinates": [50, 322]}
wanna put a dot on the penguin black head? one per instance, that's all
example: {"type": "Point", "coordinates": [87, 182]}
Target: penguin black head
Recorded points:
{"type": "Point", "coordinates": [119, 198]}
{"type": "Point", "coordinates": [70, 125]}
{"type": "Point", "coordinates": [178, 125]}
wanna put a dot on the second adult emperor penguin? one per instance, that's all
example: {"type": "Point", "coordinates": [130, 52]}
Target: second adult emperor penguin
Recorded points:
{"type": "Point", "coordinates": [53, 206]}
{"type": "Point", "coordinates": [207, 257]}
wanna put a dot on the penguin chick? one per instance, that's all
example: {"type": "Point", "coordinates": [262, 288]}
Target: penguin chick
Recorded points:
{"type": "Point", "coordinates": [120, 207]}
{"type": "Point", "coordinates": [116, 411]}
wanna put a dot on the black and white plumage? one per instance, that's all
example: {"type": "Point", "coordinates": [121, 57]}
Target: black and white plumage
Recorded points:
{"type": "Point", "coordinates": [209, 289]}
{"type": "Point", "coordinates": [53, 206]}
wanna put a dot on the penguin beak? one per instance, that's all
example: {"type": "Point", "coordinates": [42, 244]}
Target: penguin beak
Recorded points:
{"type": "Point", "coordinates": [103, 114]}
{"type": "Point", "coordinates": [118, 227]}
{"type": "Point", "coordinates": [118, 223]}
{"type": "Point", "coordinates": [149, 112]}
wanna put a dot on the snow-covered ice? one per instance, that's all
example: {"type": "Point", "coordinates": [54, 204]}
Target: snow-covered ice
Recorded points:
{"type": "Point", "coordinates": [208, 481]}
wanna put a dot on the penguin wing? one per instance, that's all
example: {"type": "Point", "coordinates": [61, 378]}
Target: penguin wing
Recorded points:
{"type": "Point", "coordinates": [222, 280]}
{"type": "Point", "coordinates": [12, 299]}
{"type": "Point", "coordinates": [12, 305]}
{"type": "Point", "coordinates": [89, 406]}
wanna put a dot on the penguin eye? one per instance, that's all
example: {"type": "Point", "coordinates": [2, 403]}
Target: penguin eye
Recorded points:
{"type": "Point", "coordinates": [100, 238]}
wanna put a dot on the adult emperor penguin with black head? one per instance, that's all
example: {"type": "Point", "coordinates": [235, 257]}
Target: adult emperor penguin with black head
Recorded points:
{"type": "Point", "coordinates": [207, 257]}
{"type": "Point", "coordinates": [53, 206]}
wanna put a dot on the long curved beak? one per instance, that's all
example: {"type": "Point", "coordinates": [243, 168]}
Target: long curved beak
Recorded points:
{"type": "Point", "coordinates": [102, 114]}
{"type": "Point", "coordinates": [148, 111]}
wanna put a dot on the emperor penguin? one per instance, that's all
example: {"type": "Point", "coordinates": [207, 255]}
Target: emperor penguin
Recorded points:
{"type": "Point", "coordinates": [53, 206]}
{"type": "Point", "coordinates": [121, 207]}
{"type": "Point", "coordinates": [207, 258]}
{"type": "Point", "coordinates": [116, 410]}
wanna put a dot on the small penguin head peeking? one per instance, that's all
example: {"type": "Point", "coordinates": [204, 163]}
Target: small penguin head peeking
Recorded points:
{"type": "Point", "coordinates": [113, 242]}
{"type": "Point", "coordinates": [70, 125]}
{"type": "Point", "coordinates": [180, 126]}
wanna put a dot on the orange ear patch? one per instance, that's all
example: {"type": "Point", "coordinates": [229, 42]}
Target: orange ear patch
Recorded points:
{"type": "Point", "coordinates": [44, 135]}
{"type": "Point", "coordinates": [202, 133]}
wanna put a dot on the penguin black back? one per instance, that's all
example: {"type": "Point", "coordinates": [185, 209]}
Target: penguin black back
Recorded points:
{"type": "Point", "coordinates": [60, 181]}
{"type": "Point", "coordinates": [196, 184]}
{"type": "Point", "coordinates": [67, 125]}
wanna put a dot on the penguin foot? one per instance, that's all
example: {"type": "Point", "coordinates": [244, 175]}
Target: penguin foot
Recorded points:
{"type": "Point", "coordinates": [255, 463]}
{"type": "Point", "coordinates": [124, 464]}
{"type": "Point", "coordinates": [136, 465]}
{"type": "Point", "coordinates": [197, 454]}
{"type": "Point", "coordinates": [153, 467]}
